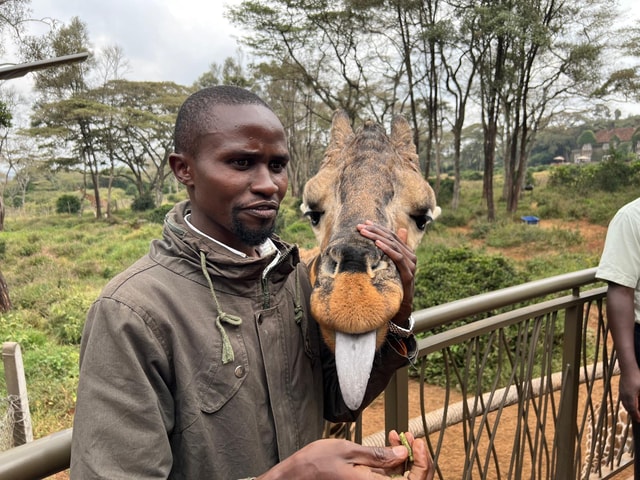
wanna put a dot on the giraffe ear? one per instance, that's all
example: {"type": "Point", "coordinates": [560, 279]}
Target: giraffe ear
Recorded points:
{"type": "Point", "coordinates": [340, 130]}
{"type": "Point", "coordinates": [181, 167]}
{"type": "Point", "coordinates": [402, 138]}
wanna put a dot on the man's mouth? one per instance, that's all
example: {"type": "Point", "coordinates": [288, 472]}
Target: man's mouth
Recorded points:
{"type": "Point", "coordinates": [266, 210]}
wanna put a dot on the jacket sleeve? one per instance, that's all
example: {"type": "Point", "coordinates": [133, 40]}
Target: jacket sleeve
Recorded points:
{"type": "Point", "coordinates": [124, 407]}
{"type": "Point", "coordinates": [395, 353]}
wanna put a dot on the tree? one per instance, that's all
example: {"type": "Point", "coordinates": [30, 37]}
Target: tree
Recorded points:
{"type": "Point", "coordinates": [530, 57]}
{"type": "Point", "coordinates": [586, 137]}
{"type": "Point", "coordinates": [231, 72]}
{"type": "Point", "coordinates": [13, 14]}
{"type": "Point", "coordinates": [324, 42]}
{"type": "Point", "coordinates": [303, 118]}
{"type": "Point", "coordinates": [140, 123]}
{"type": "Point", "coordinates": [5, 125]}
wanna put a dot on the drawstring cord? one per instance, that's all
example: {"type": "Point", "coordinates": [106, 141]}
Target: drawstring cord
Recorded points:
{"type": "Point", "coordinates": [227, 349]}
{"type": "Point", "coordinates": [297, 304]}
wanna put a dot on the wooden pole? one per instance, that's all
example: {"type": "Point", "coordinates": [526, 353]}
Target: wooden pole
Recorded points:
{"type": "Point", "coordinates": [17, 389]}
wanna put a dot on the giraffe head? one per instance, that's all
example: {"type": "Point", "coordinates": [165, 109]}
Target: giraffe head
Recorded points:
{"type": "Point", "coordinates": [365, 175]}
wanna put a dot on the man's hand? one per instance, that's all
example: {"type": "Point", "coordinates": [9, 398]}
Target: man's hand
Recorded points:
{"type": "Point", "coordinates": [342, 459]}
{"type": "Point", "coordinates": [395, 247]}
{"type": "Point", "coordinates": [422, 466]}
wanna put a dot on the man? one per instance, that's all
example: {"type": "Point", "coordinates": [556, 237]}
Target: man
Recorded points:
{"type": "Point", "coordinates": [201, 361]}
{"type": "Point", "coordinates": [620, 268]}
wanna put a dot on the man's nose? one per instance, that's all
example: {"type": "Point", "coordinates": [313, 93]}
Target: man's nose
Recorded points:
{"type": "Point", "coordinates": [264, 181]}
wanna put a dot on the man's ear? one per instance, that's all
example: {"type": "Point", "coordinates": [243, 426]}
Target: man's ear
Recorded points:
{"type": "Point", "coordinates": [181, 166]}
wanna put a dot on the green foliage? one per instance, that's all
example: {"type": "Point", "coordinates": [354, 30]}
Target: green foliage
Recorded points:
{"type": "Point", "coordinates": [445, 192]}
{"type": "Point", "coordinates": [587, 137]}
{"type": "Point", "coordinates": [610, 175]}
{"type": "Point", "coordinates": [66, 317]}
{"type": "Point", "coordinates": [68, 204]}
{"type": "Point", "coordinates": [143, 203]}
{"type": "Point", "coordinates": [510, 234]}
{"type": "Point", "coordinates": [5, 115]}
{"type": "Point", "coordinates": [158, 214]}
{"type": "Point", "coordinates": [446, 274]}
{"type": "Point", "coordinates": [292, 226]}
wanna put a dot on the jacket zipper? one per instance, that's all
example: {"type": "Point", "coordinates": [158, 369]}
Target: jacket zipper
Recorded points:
{"type": "Point", "coordinates": [266, 297]}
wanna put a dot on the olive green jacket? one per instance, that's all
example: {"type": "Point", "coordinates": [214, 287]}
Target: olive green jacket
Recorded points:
{"type": "Point", "coordinates": [211, 370]}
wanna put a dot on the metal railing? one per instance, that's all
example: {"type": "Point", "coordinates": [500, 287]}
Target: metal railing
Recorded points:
{"type": "Point", "coordinates": [529, 373]}
{"type": "Point", "coordinates": [531, 367]}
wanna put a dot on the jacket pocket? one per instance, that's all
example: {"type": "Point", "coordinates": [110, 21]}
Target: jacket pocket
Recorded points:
{"type": "Point", "coordinates": [222, 381]}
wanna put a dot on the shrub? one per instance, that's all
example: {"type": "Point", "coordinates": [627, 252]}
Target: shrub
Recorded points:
{"type": "Point", "coordinates": [157, 214]}
{"type": "Point", "coordinates": [143, 203]}
{"type": "Point", "coordinates": [68, 204]}
{"type": "Point", "coordinates": [448, 274]}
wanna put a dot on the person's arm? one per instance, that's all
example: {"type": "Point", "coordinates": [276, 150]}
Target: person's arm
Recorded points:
{"type": "Point", "coordinates": [124, 406]}
{"type": "Point", "coordinates": [620, 314]}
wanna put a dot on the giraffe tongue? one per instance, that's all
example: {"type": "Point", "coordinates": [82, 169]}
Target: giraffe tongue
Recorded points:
{"type": "Point", "coordinates": [354, 359]}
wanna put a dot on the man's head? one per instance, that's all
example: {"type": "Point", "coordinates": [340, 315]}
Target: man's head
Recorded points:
{"type": "Point", "coordinates": [231, 154]}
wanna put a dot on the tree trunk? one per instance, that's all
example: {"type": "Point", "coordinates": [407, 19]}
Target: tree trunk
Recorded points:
{"type": "Point", "coordinates": [5, 301]}
{"type": "Point", "coordinates": [1, 214]}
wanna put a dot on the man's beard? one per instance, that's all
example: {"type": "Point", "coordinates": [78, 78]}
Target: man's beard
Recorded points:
{"type": "Point", "coordinates": [252, 236]}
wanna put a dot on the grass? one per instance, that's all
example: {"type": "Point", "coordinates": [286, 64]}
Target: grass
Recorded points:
{"type": "Point", "coordinates": [56, 265]}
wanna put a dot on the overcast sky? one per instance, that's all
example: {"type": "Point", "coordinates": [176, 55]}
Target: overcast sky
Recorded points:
{"type": "Point", "coordinates": [163, 40]}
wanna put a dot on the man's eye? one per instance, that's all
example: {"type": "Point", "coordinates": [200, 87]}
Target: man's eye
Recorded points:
{"type": "Point", "coordinates": [241, 162]}
{"type": "Point", "coordinates": [278, 166]}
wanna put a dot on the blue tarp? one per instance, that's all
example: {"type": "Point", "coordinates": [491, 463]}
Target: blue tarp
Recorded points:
{"type": "Point", "coordinates": [530, 220]}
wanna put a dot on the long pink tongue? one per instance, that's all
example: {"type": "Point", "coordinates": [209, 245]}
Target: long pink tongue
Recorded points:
{"type": "Point", "coordinates": [354, 360]}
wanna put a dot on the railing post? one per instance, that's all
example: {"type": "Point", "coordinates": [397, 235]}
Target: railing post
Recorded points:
{"type": "Point", "coordinates": [396, 402]}
{"type": "Point", "coordinates": [567, 427]}
{"type": "Point", "coordinates": [17, 390]}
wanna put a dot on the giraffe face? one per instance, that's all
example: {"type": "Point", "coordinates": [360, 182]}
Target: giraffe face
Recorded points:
{"type": "Point", "coordinates": [365, 175]}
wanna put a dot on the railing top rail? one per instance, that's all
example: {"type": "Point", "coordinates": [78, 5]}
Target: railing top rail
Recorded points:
{"type": "Point", "coordinates": [438, 315]}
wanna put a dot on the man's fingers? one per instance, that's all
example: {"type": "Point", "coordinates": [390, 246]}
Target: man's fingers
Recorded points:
{"type": "Point", "coordinates": [422, 468]}
{"type": "Point", "coordinates": [403, 234]}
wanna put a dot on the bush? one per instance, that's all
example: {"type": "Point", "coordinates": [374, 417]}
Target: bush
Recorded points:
{"type": "Point", "coordinates": [143, 203]}
{"type": "Point", "coordinates": [448, 274]}
{"type": "Point", "coordinates": [157, 214]}
{"type": "Point", "coordinates": [609, 175]}
{"type": "Point", "coordinates": [68, 204]}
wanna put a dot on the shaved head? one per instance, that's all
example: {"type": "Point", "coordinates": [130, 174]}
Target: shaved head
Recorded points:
{"type": "Point", "coordinates": [196, 115]}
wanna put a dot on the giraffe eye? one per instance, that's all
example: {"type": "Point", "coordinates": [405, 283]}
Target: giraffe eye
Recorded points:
{"type": "Point", "coordinates": [422, 221]}
{"type": "Point", "coordinates": [314, 217]}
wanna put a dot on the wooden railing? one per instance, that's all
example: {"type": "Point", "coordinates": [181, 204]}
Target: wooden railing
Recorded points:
{"type": "Point", "coordinates": [530, 377]}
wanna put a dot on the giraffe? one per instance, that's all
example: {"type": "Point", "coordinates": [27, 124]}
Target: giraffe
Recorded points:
{"type": "Point", "coordinates": [365, 175]}
{"type": "Point", "coordinates": [94, 204]}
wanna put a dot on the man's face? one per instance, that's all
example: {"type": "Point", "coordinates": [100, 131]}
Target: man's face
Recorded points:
{"type": "Point", "coordinates": [237, 177]}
